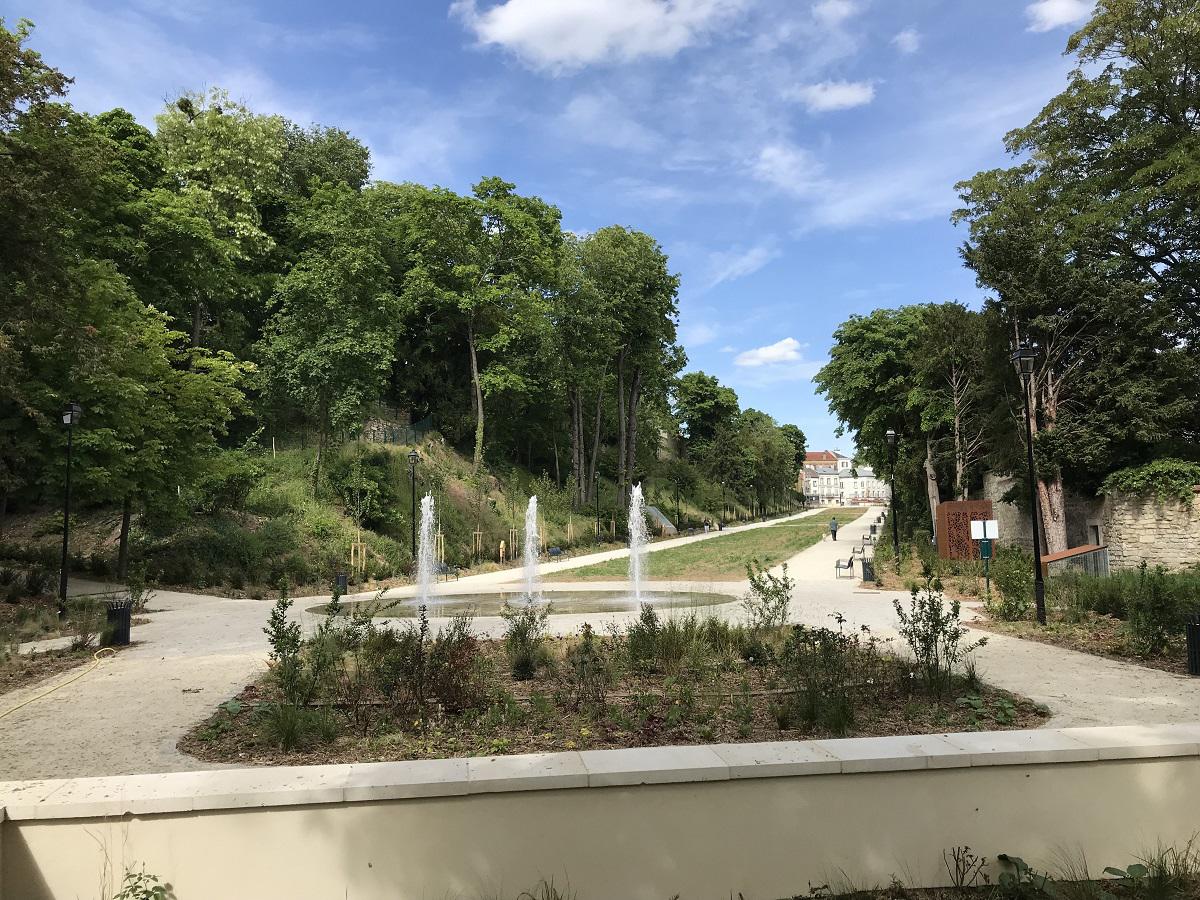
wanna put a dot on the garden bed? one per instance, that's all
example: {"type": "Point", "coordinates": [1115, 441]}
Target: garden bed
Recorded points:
{"type": "Point", "coordinates": [358, 691]}
{"type": "Point", "coordinates": [1098, 635]}
{"type": "Point", "coordinates": [18, 671]}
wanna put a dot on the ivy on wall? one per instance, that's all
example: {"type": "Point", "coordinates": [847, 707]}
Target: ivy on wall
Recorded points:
{"type": "Point", "coordinates": [1165, 479]}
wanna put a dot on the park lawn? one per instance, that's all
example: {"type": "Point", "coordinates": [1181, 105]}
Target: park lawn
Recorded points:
{"type": "Point", "coordinates": [722, 558]}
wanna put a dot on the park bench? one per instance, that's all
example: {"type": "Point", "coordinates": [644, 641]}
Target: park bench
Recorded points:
{"type": "Point", "coordinates": [843, 565]}
{"type": "Point", "coordinates": [554, 552]}
{"type": "Point", "coordinates": [445, 571]}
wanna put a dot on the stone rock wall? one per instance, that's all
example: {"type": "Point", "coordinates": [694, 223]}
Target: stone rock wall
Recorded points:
{"type": "Point", "coordinates": [1139, 529]}
{"type": "Point", "coordinates": [1013, 521]}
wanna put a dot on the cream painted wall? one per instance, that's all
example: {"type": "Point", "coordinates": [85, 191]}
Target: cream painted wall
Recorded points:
{"type": "Point", "coordinates": [764, 837]}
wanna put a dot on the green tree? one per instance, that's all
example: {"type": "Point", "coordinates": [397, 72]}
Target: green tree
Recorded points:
{"type": "Point", "coordinates": [482, 266]}
{"type": "Point", "coordinates": [221, 161]}
{"type": "Point", "coordinates": [704, 405]}
{"type": "Point", "coordinates": [329, 343]}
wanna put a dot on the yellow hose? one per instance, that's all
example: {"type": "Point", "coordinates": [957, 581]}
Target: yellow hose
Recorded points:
{"type": "Point", "coordinates": [99, 656]}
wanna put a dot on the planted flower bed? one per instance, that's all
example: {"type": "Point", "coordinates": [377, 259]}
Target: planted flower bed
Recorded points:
{"type": "Point", "coordinates": [357, 690]}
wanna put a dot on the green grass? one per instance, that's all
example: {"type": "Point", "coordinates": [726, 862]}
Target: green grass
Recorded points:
{"type": "Point", "coordinates": [722, 558]}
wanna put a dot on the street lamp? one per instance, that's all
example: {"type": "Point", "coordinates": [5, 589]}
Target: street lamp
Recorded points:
{"type": "Point", "coordinates": [1023, 358]}
{"type": "Point", "coordinates": [413, 458]}
{"type": "Point", "coordinates": [70, 418]}
{"type": "Point", "coordinates": [724, 510]}
{"type": "Point", "coordinates": [891, 442]}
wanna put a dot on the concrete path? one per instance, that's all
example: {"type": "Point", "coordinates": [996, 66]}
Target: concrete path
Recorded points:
{"type": "Point", "coordinates": [1078, 688]}
{"type": "Point", "coordinates": [197, 651]}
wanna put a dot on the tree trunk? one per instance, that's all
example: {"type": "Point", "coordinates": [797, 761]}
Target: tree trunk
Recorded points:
{"type": "Point", "coordinates": [1054, 514]}
{"type": "Point", "coordinates": [591, 477]}
{"type": "Point", "coordinates": [931, 485]}
{"type": "Point", "coordinates": [3, 511]}
{"type": "Point", "coordinates": [557, 473]}
{"type": "Point", "coordinates": [477, 397]}
{"type": "Point", "coordinates": [197, 322]}
{"type": "Point", "coordinates": [635, 397]}
{"type": "Point", "coordinates": [123, 542]}
{"type": "Point", "coordinates": [576, 448]}
{"type": "Point", "coordinates": [621, 426]}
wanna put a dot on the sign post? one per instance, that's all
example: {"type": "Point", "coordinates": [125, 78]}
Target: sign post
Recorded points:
{"type": "Point", "coordinates": [985, 531]}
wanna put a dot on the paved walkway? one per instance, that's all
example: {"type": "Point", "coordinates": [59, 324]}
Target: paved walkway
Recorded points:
{"type": "Point", "coordinates": [197, 651]}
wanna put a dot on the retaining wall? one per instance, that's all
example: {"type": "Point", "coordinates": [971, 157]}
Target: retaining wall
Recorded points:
{"type": "Point", "coordinates": [766, 820]}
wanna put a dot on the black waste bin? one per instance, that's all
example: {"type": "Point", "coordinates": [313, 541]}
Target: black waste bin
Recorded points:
{"type": "Point", "coordinates": [868, 567]}
{"type": "Point", "coordinates": [341, 583]}
{"type": "Point", "coordinates": [1193, 644]}
{"type": "Point", "coordinates": [874, 530]}
{"type": "Point", "coordinates": [117, 621]}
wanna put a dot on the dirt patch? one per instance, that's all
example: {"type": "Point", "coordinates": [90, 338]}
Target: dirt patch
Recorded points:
{"type": "Point", "coordinates": [29, 669]}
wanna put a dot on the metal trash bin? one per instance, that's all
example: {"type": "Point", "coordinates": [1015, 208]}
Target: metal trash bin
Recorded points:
{"type": "Point", "coordinates": [874, 530]}
{"type": "Point", "coordinates": [341, 583]}
{"type": "Point", "coordinates": [1193, 644]}
{"type": "Point", "coordinates": [118, 618]}
{"type": "Point", "coordinates": [868, 567]}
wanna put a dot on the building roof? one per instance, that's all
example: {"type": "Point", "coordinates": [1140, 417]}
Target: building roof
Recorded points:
{"type": "Point", "coordinates": [817, 457]}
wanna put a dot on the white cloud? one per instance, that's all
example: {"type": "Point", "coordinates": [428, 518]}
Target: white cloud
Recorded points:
{"type": "Point", "coordinates": [834, 12]}
{"type": "Point", "coordinates": [1045, 15]}
{"type": "Point", "coordinates": [569, 34]}
{"type": "Point", "coordinates": [788, 167]}
{"type": "Point", "coordinates": [698, 334]}
{"type": "Point", "coordinates": [784, 351]}
{"type": "Point", "coordinates": [728, 349]}
{"type": "Point", "coordinates": [908, 40]}
{"type": "Point", "coordinates": [833, 95]}
{"type": "Point", "coordinates": [732, 265]}
{"type": "Point", "coordinates": [600, 119]}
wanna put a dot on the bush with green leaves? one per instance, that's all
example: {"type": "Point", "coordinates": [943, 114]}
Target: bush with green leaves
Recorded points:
{"type": "Point", "coordinates": [142, 885]}
{"type": "Point", "coordinates": [1013, 577]}
{"type": "Point", "coordinates": [525, 636]}
{"type": "Point", "coordinates": [588, 670]}
{"type": "Point", "coordinates": [1156, 611]}
{"type": "Point", "coordinates": [826, 670]}
{"type": "Point", "coordinates": [935, 635]}
{"type": "Point", "coordinates": [768, 603]}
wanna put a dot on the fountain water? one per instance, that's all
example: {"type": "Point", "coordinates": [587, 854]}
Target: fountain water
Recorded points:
{"type": "Point", "coordinates": [637, 541]}
{"type": "Point", "coordinates": [426, 572]}
{"type": "Point", "coordinates": [533, 548]}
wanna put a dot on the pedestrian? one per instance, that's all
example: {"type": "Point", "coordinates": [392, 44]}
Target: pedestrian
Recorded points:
{"type": "Point", "coordinates": [833, 527]}
{"type": "Point", "coordinates": [706, 525]}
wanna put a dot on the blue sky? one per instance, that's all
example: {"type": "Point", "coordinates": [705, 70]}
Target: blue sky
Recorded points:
{"type": "Point", "coordinates": [796, 158]}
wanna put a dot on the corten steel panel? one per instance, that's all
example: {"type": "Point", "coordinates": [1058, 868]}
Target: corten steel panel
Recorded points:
{"type": "Point", "coordinates": [954, 518]}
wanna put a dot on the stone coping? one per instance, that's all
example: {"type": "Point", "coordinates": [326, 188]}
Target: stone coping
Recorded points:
{"type": "Point", "coordinates": [224, 789]}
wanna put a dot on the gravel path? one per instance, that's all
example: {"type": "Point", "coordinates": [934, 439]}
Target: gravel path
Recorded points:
{"type": "Point", "coordinates": [197, 651]}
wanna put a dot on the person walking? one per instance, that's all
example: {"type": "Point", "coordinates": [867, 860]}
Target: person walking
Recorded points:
{"type": "Point", "coordinates": [833, 528]}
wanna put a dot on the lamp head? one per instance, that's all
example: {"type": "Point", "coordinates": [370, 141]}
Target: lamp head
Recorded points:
{"type": "Point", "coordinates": [891, 437]}
{"type": "Point", "coordinates": [413, 458]}
{"type": "Point", "coordinates": [1023, 358]}
{"type": "Point", "coordinates": [72, 413]}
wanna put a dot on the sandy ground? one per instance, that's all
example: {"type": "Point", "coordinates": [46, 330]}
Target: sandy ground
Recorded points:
{"type": "Point", "coordinates": [197, 651]}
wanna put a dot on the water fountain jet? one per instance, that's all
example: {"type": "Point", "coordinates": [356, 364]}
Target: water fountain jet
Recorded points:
{"type": "Point", "coordinates": [637, 542]}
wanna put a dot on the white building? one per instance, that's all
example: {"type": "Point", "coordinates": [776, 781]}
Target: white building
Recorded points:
{"type": "Point", "coordinates": [831, 478]}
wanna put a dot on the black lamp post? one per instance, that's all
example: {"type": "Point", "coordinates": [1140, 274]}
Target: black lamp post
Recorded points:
{"type": "Point", "coordinates": [413, 458]}
{"type": "Point", "coordinates": [1023, 358]}
{"type": "Point", "coordinates": [724, 509]}
{"type": "Point", "coordinates": [70, 418]}
{"type": "Point", "coordinates": [891, 442]}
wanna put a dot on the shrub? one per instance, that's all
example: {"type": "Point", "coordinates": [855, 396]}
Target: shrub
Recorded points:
{"type": "Point", "coordinates": [1164, 479]}
{"type": "Point", "coordinates": [588, 671]}
{"type": "Point", "coordinates": [641, 640]}
{"type": "Point", "coordinates": [524, 637]}
{"type": "Point", "coordinates": [1012, 573]}
{"type": "Point", "coordinates": [453, 676]}
{"type": "Point", "coordinates": [824, 669]}
{"type": "Point", "coordinates": [934, 635]}
{"type": "Point", "coordinates": [768, 603]}
{"type": "Point", "coordinates": [1155, 610]}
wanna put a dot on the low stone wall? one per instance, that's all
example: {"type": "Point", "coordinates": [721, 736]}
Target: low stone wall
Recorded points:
{"type": "Point", "coordinates": [766, 820]}
{"type": "Point", "coordinates": [1158, 532]}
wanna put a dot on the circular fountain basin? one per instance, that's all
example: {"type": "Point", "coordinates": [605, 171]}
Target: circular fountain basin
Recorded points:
{"type": "Point", "coordinates": [561, 602]}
